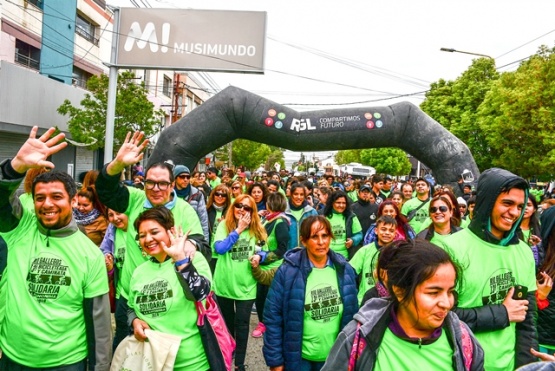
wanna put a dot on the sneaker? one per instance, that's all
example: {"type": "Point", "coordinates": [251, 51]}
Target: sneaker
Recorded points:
{"type": "Point", "coordinates": [253, 309]}
{"type": "Point", "coordinates": [259, 330]}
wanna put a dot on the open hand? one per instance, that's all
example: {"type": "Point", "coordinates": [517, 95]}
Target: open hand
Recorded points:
{"type": "Point", "coordinates": [130, 152]}
{"type": "Point", "coordinates": [35, 151]}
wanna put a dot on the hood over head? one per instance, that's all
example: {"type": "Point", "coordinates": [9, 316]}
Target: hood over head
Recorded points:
{"type": "Point", "coordinates": [547, 221]}
{"type": "Point", "coordinates": [491, 184]}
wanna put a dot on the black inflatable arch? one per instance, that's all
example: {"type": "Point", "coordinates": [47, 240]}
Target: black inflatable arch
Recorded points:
{"type": "Point", "coordinates": [235, 113]}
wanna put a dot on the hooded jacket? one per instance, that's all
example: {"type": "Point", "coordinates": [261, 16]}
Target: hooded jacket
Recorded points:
{"type": "Point", "coordinates": [284, 309]}
{"type": "Point", "coordinates": [295, 226]}
{"type": "Point", "coordinates": [510, 260]}
{"type": "Point", "coordinates": [374, 318]}
{"type": "Point", "coordinates": [546, 317]}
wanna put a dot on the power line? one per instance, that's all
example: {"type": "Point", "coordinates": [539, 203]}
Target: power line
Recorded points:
{"type": "Point", "coordinates": [518, 47]}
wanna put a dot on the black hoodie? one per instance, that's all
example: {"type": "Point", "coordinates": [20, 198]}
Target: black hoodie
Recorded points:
{"type": "Point", "coordinates": [491, 184]}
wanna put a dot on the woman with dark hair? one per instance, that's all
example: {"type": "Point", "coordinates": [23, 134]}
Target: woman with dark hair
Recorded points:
{"type": "Point", "coordinates": [165, 288]}
{"type": "Point", "coordinates": [89, 213]}
{"type": "Point", "coordinates": [414, 328]}
{"type": "Point", "coordinates": [312, 297]}
{"type": "Point", "coordinates": [216, 207]}
{"type": "Point", "coordinates": [344, 224]}
{"type": "Point", "coordinates": [398, 198]}
{"type": "Point", "coordinates": [454, 204]}
{"type": "Point", "coordinates": [198, 180]}
{"type": "Point", "coordinates": [236, 240]}
{"type": "Point", "coordinates": [259, 192]}
{"type": "Point", "coordinates": [404, 230]}
{"type": "Point", "coordinates": [545, 296]}
{"type": "Point", "coordinates": [530, 230]}
{"type": "Point", "coordinates": [443, 219]}
{"type": "Point", "coordinates": [297, 210]}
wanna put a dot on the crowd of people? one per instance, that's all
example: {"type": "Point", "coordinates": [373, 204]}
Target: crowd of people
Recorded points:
{"type": "Point", "coordinates": [343, 273]}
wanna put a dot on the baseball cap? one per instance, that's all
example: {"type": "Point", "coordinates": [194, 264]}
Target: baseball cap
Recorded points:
{"type": "Point", "coordinates": [365, 187]}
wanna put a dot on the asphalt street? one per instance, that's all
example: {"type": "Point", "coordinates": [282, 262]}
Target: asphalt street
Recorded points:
{"type": "Point", "coordinates": [255, 360]}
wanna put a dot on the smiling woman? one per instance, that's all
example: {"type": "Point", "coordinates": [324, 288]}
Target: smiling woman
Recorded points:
{"type": "Point", "coordinates": [415, 320]}
{"type": "Point", "coordinates": [444, 222]}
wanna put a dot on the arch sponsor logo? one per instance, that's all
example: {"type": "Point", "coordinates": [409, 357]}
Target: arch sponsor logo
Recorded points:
{"type": "Point", "coordinates": [367, 120]}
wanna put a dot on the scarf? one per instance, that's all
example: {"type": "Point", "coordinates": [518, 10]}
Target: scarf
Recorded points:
{"type": "Point", "coordinates": [276, 215]}
{"type": "Point", "coordinates": [85, 219]}
{"type": "Point", "coordinates": [183, 193]}
{"type": "Point", "coordinates": [297, 208]}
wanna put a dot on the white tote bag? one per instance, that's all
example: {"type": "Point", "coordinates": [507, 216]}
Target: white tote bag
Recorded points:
{"type": "Point", "coordinates": [156, 354]}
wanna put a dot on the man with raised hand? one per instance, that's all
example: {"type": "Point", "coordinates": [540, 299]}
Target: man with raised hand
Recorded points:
{"type": "Point", "coordinates": [55, 287]}
{"type": "Point", "coordinates": [159, 191]}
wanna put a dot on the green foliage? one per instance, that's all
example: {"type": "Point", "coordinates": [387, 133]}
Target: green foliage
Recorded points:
{"type": "Point", "coordinates": [454, 104]}
{"type": "Point", "coordinates": [518, 117]}
{"type": "Point", "coordinates": [347, 156]}
{"type": "Point", "coordinates": [392, 161]}
{"type": "Point", "coordinates": [252, 154]}
{"type": "Point", "coordinates": [134, 112]}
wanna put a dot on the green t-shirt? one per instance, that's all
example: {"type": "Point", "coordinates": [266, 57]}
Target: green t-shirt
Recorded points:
{"type": "Point", "coordinates": [213, 235]}
{"type": "Point", "coordinates": [120, 245]}
{"type": "Point", "coordinates": [417, 222]}
{"type": "Point", "coordinates": [338, 222]}
{"type": "Point", "coordinates": [364, 262]}
{"type": "Point", "coordinates": [439, 238]}
{"type": "Point", "coordinates": [271, 245]}
{"type": "Point", "coordinates": [353, 195]}
{"type": "Point", "coordinates": [398, 354]}
{"type": "Point", "coordinates": [214, 183]}
{"type": "Point", "coordinates": [323, 309]}
{"type": "Point", "coordinates": [233, 276]}
{"type": "Point", "coordinates": [157, 297]}
{"type": "Point", "coordinates": [490, 271]}
{"type": "Point", "coordinates": [184, 215]}
{"type": "Point", "coordinates": [45, 284]}
{"type": "Point", "coordinates": [465, 222]}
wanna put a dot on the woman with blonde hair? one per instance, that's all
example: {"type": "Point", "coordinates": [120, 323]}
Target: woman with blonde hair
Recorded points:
{"type": "Point", "coordinates": [236, 240]}
{"type": "Point", "coordinates": [217, 205]}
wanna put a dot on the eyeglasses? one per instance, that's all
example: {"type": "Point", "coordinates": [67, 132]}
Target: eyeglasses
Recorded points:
{"type": "Point", "coordinates": [442, 209]}
{"type": "Point", "coordinates": [219, 194]}
{"type": "Point", "coordinates": [150, 184]}
{"type": "Point", "coordinates": [248, 209]}
{"type": "Point", "coordinates": [184, 176]}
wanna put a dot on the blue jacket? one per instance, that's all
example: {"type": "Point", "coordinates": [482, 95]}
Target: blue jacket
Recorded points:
{"type": "Point", "coordinates": [284, 309]}
{"type": "Point", "coordinates": [294, 240]}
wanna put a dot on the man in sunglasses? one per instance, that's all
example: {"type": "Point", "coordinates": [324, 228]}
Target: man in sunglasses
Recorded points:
{"type": "Point", "coordinates": [159, 191]}
{"type": "Point", "coordinates": [185, 190]}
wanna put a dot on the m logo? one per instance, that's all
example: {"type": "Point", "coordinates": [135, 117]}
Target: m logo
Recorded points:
{"type": "Point", "coordinates": [147, 36]}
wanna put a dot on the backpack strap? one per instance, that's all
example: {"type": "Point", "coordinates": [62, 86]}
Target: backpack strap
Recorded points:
{"type": "Point", "coordinates": [359, 344]}
{"type": "Point", "coordinates": [467, 348]}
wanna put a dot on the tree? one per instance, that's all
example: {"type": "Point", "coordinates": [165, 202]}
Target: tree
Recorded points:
{"type": "Point", "coordinates": [347, 156]}
{"type": "Point", "coordinates": [134, 112]}
{"type": "Point", "coordinates": [252, 154]}
{"type": "Point", "coordinates": [454, 104]}
{"type": "Point", "coordinates": [392, 161]}
{"type": "Point", "coordinates": [518, 117]}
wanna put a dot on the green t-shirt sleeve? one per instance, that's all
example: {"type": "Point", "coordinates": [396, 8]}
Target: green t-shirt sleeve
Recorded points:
{"type": "Point", "coordinates": [96, 281]}
{"type": "Point", "coordinates": [356, 228]}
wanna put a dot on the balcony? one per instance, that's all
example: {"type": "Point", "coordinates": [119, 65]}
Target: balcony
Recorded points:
{"type": "Point", "coordinates": [86, 35]}
{"type": "Point", "coordinates": [27, 61]}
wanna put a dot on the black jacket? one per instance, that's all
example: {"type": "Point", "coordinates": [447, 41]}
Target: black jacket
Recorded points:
{"type": "Point", "coordinates": [366, 212]}
{"type": "Point", "coordinates": [546, 317]}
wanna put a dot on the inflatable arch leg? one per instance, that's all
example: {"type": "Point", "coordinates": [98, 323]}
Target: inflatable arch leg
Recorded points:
{"type": "Point", "coordinates": [235, 113]}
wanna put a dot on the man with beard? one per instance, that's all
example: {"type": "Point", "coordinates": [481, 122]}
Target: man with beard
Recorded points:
{"type": "Point", "coordinates": [58, 284]}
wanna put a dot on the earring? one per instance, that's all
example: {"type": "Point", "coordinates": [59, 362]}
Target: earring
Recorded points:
{"type": "Point", "coordinates": [144, 254]}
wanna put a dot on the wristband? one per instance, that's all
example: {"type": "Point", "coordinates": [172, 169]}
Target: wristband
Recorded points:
{"type": "Point", "coordinates": [181, 262]}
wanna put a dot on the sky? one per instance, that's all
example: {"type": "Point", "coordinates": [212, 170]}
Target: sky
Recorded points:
{"type": "Point", "coordinates": [324, 55]}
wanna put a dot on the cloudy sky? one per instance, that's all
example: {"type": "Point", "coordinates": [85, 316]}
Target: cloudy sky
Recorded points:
{"type": "Point", "coordinates": [375, 53]}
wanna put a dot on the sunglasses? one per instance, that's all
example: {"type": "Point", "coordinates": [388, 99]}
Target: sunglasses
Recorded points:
{"type": "Point", "coordinates": [248, 209]}
{"type": "Point", "coordinates": [236, 187]}
{"type": "Point", "coordinates": [219, 194]}
{"type": "Point", "coordinates": [442, 209]}
{"type": "Point", "coordinates": [184, 176]}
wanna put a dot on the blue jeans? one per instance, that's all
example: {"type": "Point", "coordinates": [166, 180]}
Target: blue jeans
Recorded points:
{"type": "Point", "coordinates": [307, 365]}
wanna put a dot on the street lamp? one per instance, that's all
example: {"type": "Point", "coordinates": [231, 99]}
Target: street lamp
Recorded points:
{"type": "Point", "coordinates": [451, 50]}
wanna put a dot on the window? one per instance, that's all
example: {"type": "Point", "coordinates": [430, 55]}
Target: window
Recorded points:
{"type": "Point", "coordinates": [166, 87]}
{"type": "Point", "coordinates": [37, 3]}
{"type": "Point", "coordinates": [80, 77]}
{"type": "Point", "coordinates": [86, 29]}
{"type": "Point", "coordinates": [27, 55]}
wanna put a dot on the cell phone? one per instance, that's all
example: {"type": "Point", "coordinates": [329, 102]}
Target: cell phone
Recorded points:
{"type": "Point", "coordinates": [520, 292]}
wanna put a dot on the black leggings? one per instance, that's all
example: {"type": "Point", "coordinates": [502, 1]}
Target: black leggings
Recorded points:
{"type": "Point", "coordinates": [237, 317]}
{"type": "Point", "coordinates": [261, 294]}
